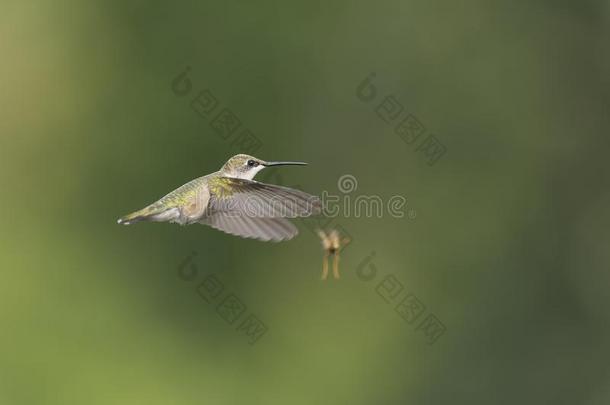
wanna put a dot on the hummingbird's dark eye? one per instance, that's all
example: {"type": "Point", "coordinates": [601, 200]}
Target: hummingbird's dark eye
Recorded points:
{"type": "Point", "coordinates": [252, 163]}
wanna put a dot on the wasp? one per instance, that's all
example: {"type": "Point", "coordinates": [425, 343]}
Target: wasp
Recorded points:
{"type": "Point", "coordinates": [331, 244]}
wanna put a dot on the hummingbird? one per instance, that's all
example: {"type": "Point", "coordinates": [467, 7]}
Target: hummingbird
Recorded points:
{"type": "Point", "coordinates": [231, 201]}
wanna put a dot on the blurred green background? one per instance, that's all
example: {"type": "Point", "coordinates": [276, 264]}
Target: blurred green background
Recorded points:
{"type": "Point", "coordinates": [509, 247]}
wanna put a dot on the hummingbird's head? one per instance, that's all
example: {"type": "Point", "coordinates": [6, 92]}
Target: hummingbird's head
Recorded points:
{"type": "Point", "coordinates": [245, 166]}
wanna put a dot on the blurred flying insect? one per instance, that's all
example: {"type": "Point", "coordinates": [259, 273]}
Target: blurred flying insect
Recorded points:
{"type": "Point", "coordinates": [230, 201]}
{"type": "Point", "coordinates": [331, 243]}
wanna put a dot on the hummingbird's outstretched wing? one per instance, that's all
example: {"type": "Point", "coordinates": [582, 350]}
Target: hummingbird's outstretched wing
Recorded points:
{"type": "Point", "coordinates": [257, 210]}
{"type": "Point", "coordinates": [265, 229]}
{"type": "Point", "coordinates": [261, 200]}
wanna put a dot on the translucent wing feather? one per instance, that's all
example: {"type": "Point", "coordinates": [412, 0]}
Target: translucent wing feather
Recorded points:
{"type": "Point", "coordinates": [257, 210]}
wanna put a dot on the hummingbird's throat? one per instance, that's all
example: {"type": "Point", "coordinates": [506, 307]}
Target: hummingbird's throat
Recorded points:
{"type": "Point", "coordinates": [247, 174]}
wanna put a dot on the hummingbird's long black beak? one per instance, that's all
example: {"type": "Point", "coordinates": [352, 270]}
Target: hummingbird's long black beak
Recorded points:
{"type": "Point", "coordinates": [267, 164]}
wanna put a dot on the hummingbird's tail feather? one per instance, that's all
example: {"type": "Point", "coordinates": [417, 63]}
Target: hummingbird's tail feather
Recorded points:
{"type": "Point", "coordinates": [150, 213]}
{"type": "Point", "coordinates": [132, 218]}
